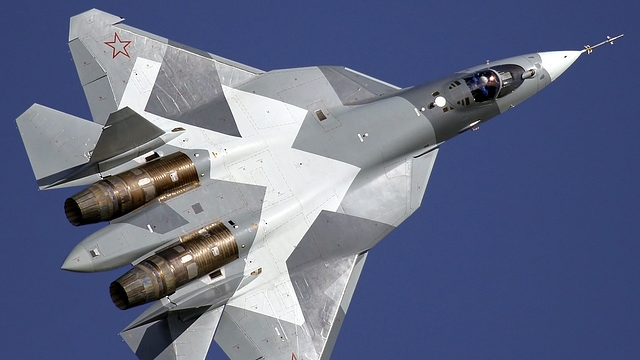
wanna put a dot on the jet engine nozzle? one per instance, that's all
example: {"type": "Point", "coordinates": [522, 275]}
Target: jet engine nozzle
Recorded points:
{"type": "Point", "coordinates": [198, 253]}
{"type": "Point", "coordinates": [120, 194]}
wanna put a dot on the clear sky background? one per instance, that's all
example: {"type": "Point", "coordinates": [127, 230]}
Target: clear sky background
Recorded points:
{"type": "Point", "coordinates": [528, 242]}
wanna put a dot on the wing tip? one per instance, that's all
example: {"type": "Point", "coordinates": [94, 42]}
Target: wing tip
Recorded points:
{"type": "Point", "coordinates": [83, 23]}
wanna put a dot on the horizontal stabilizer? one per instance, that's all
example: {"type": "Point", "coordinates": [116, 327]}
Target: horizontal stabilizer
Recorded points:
{"type": "Point", "coordinates": [56, 141]}
{"type": "Point", "coordinates": [64, 149]}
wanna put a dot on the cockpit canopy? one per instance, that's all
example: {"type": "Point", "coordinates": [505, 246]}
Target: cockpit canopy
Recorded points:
{"type": "Point", "coordinates": [494, 82]}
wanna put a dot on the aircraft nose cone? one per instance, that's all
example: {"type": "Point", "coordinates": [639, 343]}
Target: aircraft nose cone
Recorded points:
{"type": "Point", "coordinates": [78, 260]}
{"type": "Point", "coordinates": [556, 62]}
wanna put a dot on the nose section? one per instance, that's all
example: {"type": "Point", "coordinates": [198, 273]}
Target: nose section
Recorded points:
{"type": "Point", "coordinates": [78, 260]}
{"type": "Point", "coordinates": [556, 62]}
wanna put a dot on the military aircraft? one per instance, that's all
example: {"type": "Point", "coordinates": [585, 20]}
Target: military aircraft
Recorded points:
{"type": "Point", "coordinates": [246, 200]}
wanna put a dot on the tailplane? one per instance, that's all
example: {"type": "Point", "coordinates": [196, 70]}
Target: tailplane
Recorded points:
{"type": "Point", "coordinates": [56, 142]}
{"type": "Point", "coordinates": [65, 150]}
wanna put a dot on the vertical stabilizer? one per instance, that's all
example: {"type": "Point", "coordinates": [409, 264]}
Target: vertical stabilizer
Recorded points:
{"type": "Point", "coordinates": [180, 335]}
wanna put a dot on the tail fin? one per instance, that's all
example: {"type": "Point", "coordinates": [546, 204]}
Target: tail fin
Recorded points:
{"type": "Point", "coordinates": [121, 66]}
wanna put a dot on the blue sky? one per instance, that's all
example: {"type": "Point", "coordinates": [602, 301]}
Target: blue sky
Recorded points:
{"type": "Point", "coordinates": [527, 245]}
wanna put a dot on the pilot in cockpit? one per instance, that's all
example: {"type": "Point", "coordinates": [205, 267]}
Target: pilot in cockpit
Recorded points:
{"type": "Point", "coordinates": [483, 85]}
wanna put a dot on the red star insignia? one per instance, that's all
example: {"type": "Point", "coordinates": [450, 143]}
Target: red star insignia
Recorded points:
{"type": "Point", "coordinates": [118, 46]}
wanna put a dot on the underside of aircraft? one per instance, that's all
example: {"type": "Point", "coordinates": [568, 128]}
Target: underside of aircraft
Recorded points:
{"type": "Point", "coordinates": [246, 200]}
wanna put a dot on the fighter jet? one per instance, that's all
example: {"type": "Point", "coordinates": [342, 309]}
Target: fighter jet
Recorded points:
{"type": "Point", "coordinates": [247, 200]}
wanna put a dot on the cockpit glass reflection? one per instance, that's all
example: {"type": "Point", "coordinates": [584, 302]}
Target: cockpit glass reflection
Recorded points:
{"type": "Point", "coordinates": [510, 78]}
{"type": "Point", "coordinates": [484, 85]}
{"type": "Point", "coordinates": [495, 82]}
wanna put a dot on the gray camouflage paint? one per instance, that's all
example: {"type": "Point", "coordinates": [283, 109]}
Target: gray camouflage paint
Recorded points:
{"type": "Point", "coordinates": [187, 93]}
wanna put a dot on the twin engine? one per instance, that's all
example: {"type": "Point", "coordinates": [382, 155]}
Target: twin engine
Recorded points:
{"type": "Point", "coordinates": [194, 255]}
{"type": "Point", "coordinates": [197, 254]}
{"type": "Point", "coordinates": [120, 194]}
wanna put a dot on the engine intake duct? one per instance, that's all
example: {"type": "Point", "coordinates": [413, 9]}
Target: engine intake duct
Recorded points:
{"type": "Point", "coordinates": [120, 194]}
{"type": "Point", "coordinates": [198, 253]}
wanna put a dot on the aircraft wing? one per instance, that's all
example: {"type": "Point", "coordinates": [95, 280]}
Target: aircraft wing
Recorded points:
{"type": "Point", "coordinates": [101, 46]}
